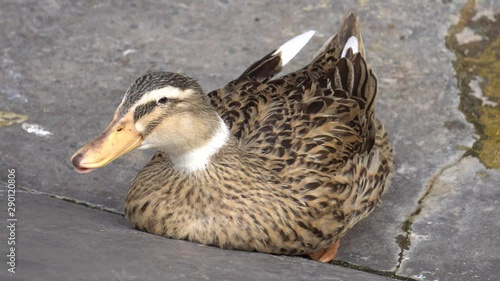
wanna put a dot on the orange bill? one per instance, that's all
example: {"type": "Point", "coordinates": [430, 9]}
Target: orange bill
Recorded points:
{"type": "Point", "coordinates": [119, 138]}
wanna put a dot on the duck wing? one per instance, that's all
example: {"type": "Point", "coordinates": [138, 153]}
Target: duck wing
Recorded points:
{"type": "Point", "coordinates": [317, 117]}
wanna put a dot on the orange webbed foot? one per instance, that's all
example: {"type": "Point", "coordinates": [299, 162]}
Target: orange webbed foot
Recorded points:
{"type": "Point", "coordinates": [327, 254]}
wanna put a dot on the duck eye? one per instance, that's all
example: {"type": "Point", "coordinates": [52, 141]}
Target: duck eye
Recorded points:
{"type": "Point", "coordinates": [162, 100]}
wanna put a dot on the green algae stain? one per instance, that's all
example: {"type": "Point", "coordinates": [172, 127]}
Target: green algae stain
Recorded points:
{"type": "Point", "coordinates": [10, 118]}
{"type": "Point", "coordinates": [478, 63]}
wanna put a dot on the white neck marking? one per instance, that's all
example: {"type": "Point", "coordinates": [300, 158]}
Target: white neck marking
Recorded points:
{"type": "Point", "coordinates": [198, 159]}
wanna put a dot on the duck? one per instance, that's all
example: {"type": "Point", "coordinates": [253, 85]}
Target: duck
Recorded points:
{"type": "Point", "coordinates": [281, 165]}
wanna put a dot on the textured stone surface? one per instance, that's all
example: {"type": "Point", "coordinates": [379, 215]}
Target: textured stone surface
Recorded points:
{"type": "Point", "coordinates": [456, 234]}
{"type": "Point", "coordinates": [66, 66]}
{"type": "Point", "coordinates": [61, 241]}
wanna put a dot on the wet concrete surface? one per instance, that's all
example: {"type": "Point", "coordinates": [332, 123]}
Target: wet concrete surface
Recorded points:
{"type": "Point", "coordinates": [67, 65]}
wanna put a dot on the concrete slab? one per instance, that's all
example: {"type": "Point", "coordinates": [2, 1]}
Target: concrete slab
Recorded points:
{"type": "Point", "coordinates": [66, 66]}
{"type": "Point", "coordinates": [58, 240]}
{"type": "Point", "coordinates": [456, 235]}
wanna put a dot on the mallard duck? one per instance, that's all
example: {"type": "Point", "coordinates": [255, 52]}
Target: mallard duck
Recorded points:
{"type": "Point", "coordinates": [283, 166]}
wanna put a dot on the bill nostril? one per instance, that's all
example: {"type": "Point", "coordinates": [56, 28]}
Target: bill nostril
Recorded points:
{"type": "Point", "coordinates": [76, 160]}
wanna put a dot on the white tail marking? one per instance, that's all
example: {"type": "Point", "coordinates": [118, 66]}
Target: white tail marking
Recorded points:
{"type": "Point", "coordinates": [293, 46]}
{"type": "Point", "coordinates": [352, 43]}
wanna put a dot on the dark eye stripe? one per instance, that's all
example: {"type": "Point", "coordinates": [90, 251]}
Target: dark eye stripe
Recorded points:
{"type": "Point", "coordinates": [143, 109]}
{"type": "Point", "coordinates": [151, 125]}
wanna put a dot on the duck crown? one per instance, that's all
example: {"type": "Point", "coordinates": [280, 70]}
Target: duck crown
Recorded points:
{"type": "Point", "coordinates": [154, 81]}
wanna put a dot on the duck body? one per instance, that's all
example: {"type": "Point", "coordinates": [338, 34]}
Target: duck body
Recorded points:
{"type": "Point", "coordinates": [284, 166]}
{"type": "Point", "coordinates": [252, 207]}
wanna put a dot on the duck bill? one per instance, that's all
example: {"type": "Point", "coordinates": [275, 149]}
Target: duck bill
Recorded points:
{"type": "Point", "coordinates": [120, 137]}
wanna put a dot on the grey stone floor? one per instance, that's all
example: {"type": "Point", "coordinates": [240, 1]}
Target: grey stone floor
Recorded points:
{"type": "Point", "coordinates": [66, 65]}
{"type": "Point", "coordinates": [59, 240]}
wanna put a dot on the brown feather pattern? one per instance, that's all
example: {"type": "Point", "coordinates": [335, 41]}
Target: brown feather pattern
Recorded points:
{"type": "Point", "coordinates": [308, 159]}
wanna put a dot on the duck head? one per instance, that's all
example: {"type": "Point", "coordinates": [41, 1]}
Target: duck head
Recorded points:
{"type": "Point", "coordinates": [161, 110]}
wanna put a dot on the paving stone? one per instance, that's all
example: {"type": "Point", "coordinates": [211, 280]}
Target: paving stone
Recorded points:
{"type": "Point", "coordinates": [456, 234]}
{"type": "Point", "coordinates": [67, 65]}
{"type": "Point", "coordinates": [62, 241]}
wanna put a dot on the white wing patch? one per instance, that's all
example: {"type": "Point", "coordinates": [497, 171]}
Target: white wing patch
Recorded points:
{"type": "Point", "coordinates": [293, 46]}
{"type": "Point", "coordinates": [352, 43]}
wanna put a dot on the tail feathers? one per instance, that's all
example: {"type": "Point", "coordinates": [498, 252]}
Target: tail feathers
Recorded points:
{"type": "Point", "coordinates": [350, 36]}
{"type": "Point", "coordinates": [342, 57]}
{"type": "Point", "coordinates": [351, 73]}
{"type": "Point", "coordinates": [346, 43]}
{"type": "Point", "coordinates": [270, 65]}
{"type": "Point", "coordinates": [353, 76]}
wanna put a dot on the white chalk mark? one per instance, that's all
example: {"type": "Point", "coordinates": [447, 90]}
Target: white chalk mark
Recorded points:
{"type": "Point", "coordinates": [128, 51]}
{"type": "Point", "coordinates": [36, 130]}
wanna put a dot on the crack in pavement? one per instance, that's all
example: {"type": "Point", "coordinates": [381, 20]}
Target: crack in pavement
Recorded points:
{"type": "Point", "coordinates": [403, 240]}
{"type": "Point", "coordinates": [67, 199]}
{"type": "Point", "coordinates": [389, 274]}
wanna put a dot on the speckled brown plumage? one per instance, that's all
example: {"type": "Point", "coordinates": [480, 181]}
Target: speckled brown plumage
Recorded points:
{"type": "Point", "coordinates": [306, 161]}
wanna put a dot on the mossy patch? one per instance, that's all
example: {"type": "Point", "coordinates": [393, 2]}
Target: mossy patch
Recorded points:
{"type": "Point", "coordinates": [8, 118]}
{"type": "Point", "coordinates": [478, 63]}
